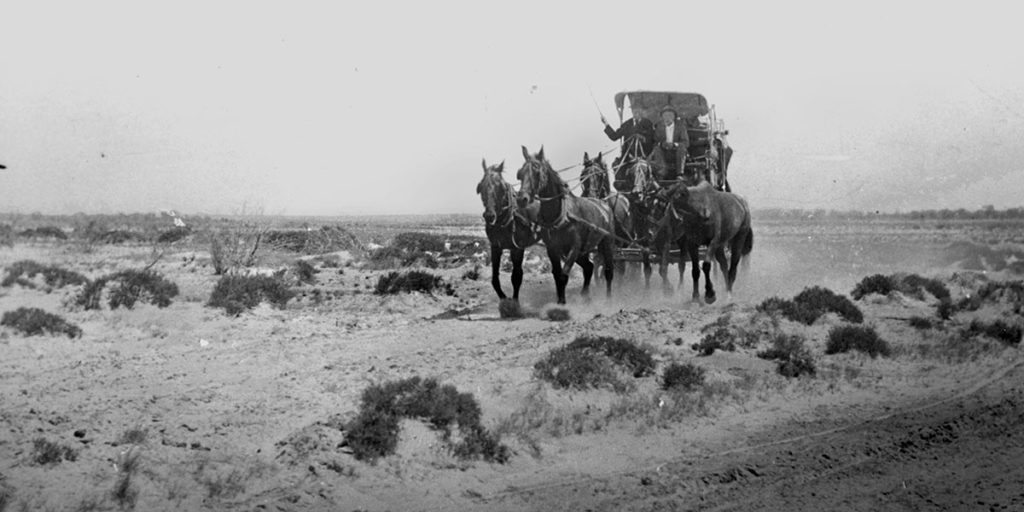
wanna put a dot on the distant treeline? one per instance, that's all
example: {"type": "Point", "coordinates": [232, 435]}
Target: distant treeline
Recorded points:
{"type": "Point", "coordinates": [985, 213]}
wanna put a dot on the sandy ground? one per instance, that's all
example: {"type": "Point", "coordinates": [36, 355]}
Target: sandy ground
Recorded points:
{"type": "Point", "coordinates": [238, 411]}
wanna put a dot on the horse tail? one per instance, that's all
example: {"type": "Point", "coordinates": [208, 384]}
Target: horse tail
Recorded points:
{"type": "Point", "coordinates": [749, 244]}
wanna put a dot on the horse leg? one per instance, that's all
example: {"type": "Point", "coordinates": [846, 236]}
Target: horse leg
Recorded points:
{"type": "Point", "coordinates": [735, 254]}
{"type": "Point", "coordinates": [647, 269]}
{"type": "Point", "coordinates": [666, 286]}
{"type": "Point", "coordinates": [556, 273]}
{"type": "Point", "coordinates": [588, 270]}
{"type": "Point", "coordinates": [517, 271]}
{"type": "Point", "coordinates": [693, 250]}
{"type": "Point", "coordinates": [709, 287]}
{"type": "Point", "coordinates": [607, 250]}
{"type": "Point", "coordinates": [496, 271]}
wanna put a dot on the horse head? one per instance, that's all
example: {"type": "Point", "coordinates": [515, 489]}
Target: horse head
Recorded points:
{"type": "Point", "coordinates": [595, 177]}
{"type": "Point", "coordinates": [494, 192]}
{"type": "Point", "coordinates": [532, 176]}
{"type": "Point", "coordinates": [644, 181]}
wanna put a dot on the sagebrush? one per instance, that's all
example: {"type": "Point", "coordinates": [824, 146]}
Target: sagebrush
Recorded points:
{"type": "Point", "coordinates": [53, 275]}
{"type": "Point", "coordinates": [844, 338]}
{"type": "Point", "coordinates": [810, 304]}
{"type": "Point", "coordinates": [593, 362]}
{"type": "Point", "coordinates": [791, 354]}
{"type": "Point", "coordinates": [373, 433]}
{"type": "Point", "coordinates": [411, 281]}
{"type": "Point", "coordinates": [126, 288]}
{"type": "Point", "coordinates": [35, 321]}
{"type": "Point", "coordinates": [686, 376]}
{"type": "Point", "coordinates": [236, 293]}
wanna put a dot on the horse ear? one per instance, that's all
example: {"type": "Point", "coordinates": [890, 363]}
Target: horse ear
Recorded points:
{"type": "Point", "coordinates": [526, 153]}
{"type": "Point", "coordinates": [598, 159]}
{"type": "Point", "coordinates": [501, 166]}
{"type": "Point", "coordinates": [483, 162]}
{"type": "Point", "coordinates": [586, 159]}
{"type": "Point", "coordinates": [540, 154]}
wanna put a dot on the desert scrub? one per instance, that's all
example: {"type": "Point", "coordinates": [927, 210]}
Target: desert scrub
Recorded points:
{"type": "Point", "coordinates": [53, 275]}
{"type": "Point", "coordinates": [844, 338]}
{"type": "Point", "coordinates": [808, 305]}
{"type": "Point", "coordinates": [127, 287]}
{"type": "Point", "coordinates": [34, 321]}
{"type": "Point", "coordinates": [1009, 334]}
{"type": "Point", "coordinates": [44, 232]}
{"type": "Point", "coordinates": [911, 285]}
{"type": "Point", "coordinates": [791, 354]}
{"type": "Point", "coordinates": [557, 314]}
{"type": "Point", "coordinates": [305, 272]}
{"type": "Point", "coordinates": [411, 281]}
{"type": "Point", "coordinates": [683, 376]}
{"type": "Point", "coordinates": [594, 362]}
{"type": "Point", "coordinates": [718, 335]}
{"type": "Point", "coordinates": [46, 452]}
{"type": "Point", "coordinates": [510, 308]}
{"type": "Point", "coordinates": [373, 433]}
{"type": "Point", "coordinates": [920, 322]}
{"type": "Point", "coordinates": [418, 242]}
{"type": "Point", "coordinates": [312, 241]}
{"type": "Point", "coordinates": [236, 294]}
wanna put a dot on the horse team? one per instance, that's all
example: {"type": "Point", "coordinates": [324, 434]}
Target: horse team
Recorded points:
{"type": "Point", "coordinates": [688, 213]}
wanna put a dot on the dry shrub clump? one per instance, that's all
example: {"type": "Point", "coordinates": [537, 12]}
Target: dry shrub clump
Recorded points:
{"type": "Point", "coordinates": [920, 322]}
{"type": "Point", "coordinates": [792, 355]}
{"type": "Point", "coordinates": [374, 432]}
{"type": "Point", "coordinates": [128, 287]}
{"type": "Point", "coordinates": [1009, 334]}
{"type": "Point", "coordinates": [236, 294]}
{"type": "Point", "coordinates": [683, 376]}
{"type": "Point", "coordinates": [312, 241]}
{"type": "Point", "coordinates": [510, 308]}
{"type": "Point", "coordinates": [411, 281]}
{"type": "Point", "coordinates": [911, 285]}
{"type": "Point", "coordinates": [46, 452]}
{"type": "Point", "coordinates": [305, 272]}
{"type": "Point", "coordinates": [594, 362]}
{"type": "Point", "coordinates": [557, 314]}
{"type": "Point", "coordinates": [44, 232]}
{"type": "Point", "coordinates": [723, 335]}
{"type": "Point", "coordinates": [34, 321]}
{"type": "Point", "coordinates": [844, 338]}
{"type": "Point", "coordinates": [20, 272]}
{"type": "Point", "coordinates": [810, 304]}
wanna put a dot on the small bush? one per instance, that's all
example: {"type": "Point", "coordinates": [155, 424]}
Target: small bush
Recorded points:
{"type": "Point", "coordinates": [44, 232]}
{"type": "Point", "coordinates": [510, 308]}
{"type": "Point", "coordinates": [472, 274]}
{"type": "Point", "coordinates": [567, 368]}
{"type": "Point", "coordinates": [557, 314]}
{"type": "Point", "coordinates": [876, 283]}
{"type": "Point", "coordinates": [717, 336]}
{"type": "Point", "coordinates": [46, 452]}
{"type": "Point", "coordinates": [236, 294]}
{"type": "Point", "coordinates": [791, 354]}
{"type": "Point", "coordinates": [312, 241]}
{"type": "Point", "coordinates": [789, 309]}
{"type": "Point", "coordinates": [920, 322]}
{"type": "Point", "coordinates": [128, 287]}
{"type": "Point", "coordinates": [418, 242]}
{"type": "Point", "coordinates": [411, 281]}
{"type": "Point", "coordinates": [53, 275]}
{"type": "Point", "coordinates": [683, 376]}
{"type": "Point", "coordinates": [824, 300]}
{"type": "Point", "coordinates": [945, 309]}
{"type": "Point", "coordinates": [844, 338]}
{"type": "Point", "coordinates": [999, 330]}
{"type": "Point", "coordinates": [305, 272]}
{"type": "Point", "coordinates": [625, 353]}
{"type": "Point", "coordinates": [173, 235]}
{"type": "Point", "coordinates": [911, 285]}
{"type": "Point", "coordinates": [374, 432]}
{"type": "Point", "coordinates": [34, 321]}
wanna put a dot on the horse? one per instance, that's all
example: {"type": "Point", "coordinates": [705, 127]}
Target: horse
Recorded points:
{"type": "Point", "coordinates": [571, 227]}
{"type": "Point", "coordinates": [715, 219]}
{"type": "Point", "coordinates": [642, 177]}
{"type": "Point", "coordinates": [596, 184]}
{"type": "Point", "coordinates": [506, 227]}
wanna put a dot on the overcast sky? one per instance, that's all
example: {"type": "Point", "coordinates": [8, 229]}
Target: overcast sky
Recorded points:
{"type": "Point", "coordinates": [372, 107]}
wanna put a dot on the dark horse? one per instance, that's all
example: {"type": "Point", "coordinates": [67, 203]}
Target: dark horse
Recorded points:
{"type": "Point", "coordinates": [571, 227]}
{"type": "Point", "coordinates": [596, 184]}
{"type": "Point", "coordinates": [715, 219]}
{"type": "Point", "coordinates": [506, 226]}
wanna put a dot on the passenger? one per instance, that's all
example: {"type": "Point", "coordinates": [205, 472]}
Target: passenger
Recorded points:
{"type": "Point", "coordinates": [638, 126]}
{"type": "Point", "coordinates": [672, 141]}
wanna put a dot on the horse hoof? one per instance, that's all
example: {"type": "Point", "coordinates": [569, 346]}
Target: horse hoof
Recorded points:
{"type": "Point", "coordinates": [710, 299]}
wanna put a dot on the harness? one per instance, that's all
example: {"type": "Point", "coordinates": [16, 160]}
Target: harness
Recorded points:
{"type": "Point", "coordinates": [513, 214]}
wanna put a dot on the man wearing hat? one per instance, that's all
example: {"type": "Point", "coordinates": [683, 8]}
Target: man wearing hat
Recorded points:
{"type": "Point", "coordinates": [672, 140]}
{"type": "Point", "coordinates": [638, 126]}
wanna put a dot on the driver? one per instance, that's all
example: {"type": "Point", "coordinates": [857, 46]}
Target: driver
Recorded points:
{"type": "Point", "coordinates": [672, 141]}
{"type": "Point", "coordinates": [638, 126]}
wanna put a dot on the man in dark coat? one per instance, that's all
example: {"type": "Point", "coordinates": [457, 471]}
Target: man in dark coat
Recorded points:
{"type": "Point", "coordinates": [639, 126]}
{"type": "Point", "coordinates": [672, 141]}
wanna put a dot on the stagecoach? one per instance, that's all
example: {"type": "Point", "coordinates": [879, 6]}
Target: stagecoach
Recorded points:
{"type": "Point", "coordinates": [707, 156]}
{"type": "Point", "coordinates": [709, 152]}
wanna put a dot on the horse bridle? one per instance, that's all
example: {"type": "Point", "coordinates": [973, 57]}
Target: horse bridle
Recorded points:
{"type": "Point", "coordinates": [509, 207]}
{"type": "Point", "coordinates": [537, 166]}
{"type": "Point", "coordinates": [594, 171]}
